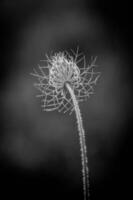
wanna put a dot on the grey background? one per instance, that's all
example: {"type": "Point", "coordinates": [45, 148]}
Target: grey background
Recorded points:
{"type": "Point", "coordinates": [39, 151]}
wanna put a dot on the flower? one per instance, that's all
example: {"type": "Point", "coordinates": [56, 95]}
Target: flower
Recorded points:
{"type": "Point", "coordinates": [63, 69]}
{"type": "Point", "coordinates": [63, 87]}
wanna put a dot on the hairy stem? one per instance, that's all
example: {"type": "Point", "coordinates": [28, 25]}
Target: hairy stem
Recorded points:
{"type": "Point", "coordinates": [83, 148]}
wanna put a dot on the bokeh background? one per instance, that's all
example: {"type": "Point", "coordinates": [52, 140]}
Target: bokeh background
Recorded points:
{"type": "Point", "coordinates": [39, 151]}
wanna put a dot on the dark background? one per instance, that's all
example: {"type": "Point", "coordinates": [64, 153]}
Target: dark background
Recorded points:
{"type": "Point", "coordinates": [27, 29]}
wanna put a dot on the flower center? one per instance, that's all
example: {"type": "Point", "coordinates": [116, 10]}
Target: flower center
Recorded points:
{"type": "Point", "coordinates": [62, 71]}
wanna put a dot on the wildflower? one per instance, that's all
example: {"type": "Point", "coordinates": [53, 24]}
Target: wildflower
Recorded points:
{"type": "Point", "coordinates": [63, 70]}
{"type": "Point", "coordinates": [63, 88]}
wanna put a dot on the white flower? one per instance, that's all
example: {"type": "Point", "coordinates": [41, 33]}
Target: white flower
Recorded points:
{"type": "Point", "coordinates": [63, 68]}
{"type": "Point", "coordinates": [65, 85]}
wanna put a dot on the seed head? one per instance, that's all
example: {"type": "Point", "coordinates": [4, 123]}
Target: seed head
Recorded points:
{"type": "Point", "coordinates": [63, 68]}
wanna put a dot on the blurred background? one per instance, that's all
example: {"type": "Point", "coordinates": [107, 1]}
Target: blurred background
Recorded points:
{"type": "Point", "coordinates": [39, 151]}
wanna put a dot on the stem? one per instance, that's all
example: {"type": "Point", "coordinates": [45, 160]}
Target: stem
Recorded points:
{"type": "Point", "coordinates": [83, 148]}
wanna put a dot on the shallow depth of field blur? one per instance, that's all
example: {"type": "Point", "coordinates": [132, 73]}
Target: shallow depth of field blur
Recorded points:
{"type": "Point", "coordinates": [39, 151]}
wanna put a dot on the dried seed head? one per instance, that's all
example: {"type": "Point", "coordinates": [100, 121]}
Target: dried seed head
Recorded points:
{"type": "Point", "coordinates": [63, 71]}
{"type": "Point", "coordinates": [63, 68]}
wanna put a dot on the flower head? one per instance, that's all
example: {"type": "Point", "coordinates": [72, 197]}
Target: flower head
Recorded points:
{"type": "Point", "coordinates": [63, 68]}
